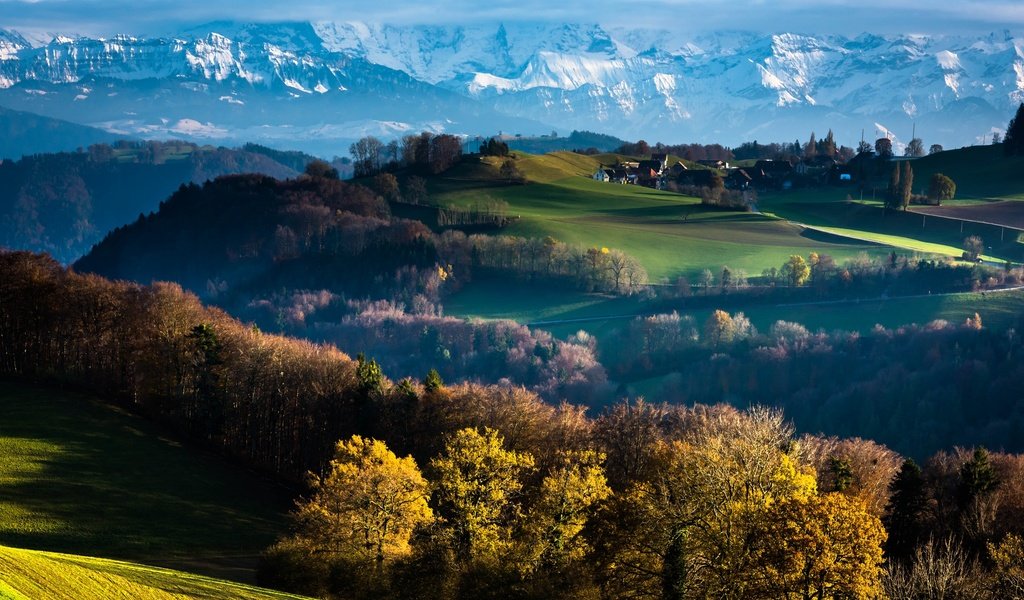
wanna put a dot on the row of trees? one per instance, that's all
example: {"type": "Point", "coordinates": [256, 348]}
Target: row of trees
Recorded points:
{"type": "Point", "coordinates": [424, 153]}
{"type": "Point", "coordinates": [826, 147]}
{"type": "Point", "coordinates": [727, 505]}
{"type": "Point", "coordinates": [495, 351]}
{"type": "Point", "coordinates": [685, 151]}
{"type": "Point", "coordinates": [952, 381]}
{"type": "Point", "coordinates": [901, 182]}
{"type": "Point", "coordinates": [494, 147]}
{"type": "Point", "coordinates": [490, 212]}
{"type": "Point", "coordinates": [896, 275]}
{"type": "Point", "coordinates": [592, 269]}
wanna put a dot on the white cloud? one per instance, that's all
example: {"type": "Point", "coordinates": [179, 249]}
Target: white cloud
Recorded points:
{"type": "Point", "coordinates": [105, 17]}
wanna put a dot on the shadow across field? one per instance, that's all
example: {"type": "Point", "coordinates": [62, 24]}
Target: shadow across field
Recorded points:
{"type": "Point", "coordinates": [80, 477]}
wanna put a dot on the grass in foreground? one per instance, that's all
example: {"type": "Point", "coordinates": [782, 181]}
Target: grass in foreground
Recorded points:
{"type": "Point", "coordinates": [78, 476]}
{"type": "Point", "coordinates": [30, 574]}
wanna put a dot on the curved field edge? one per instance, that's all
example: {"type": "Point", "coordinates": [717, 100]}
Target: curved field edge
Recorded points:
{"type": "Point", "coordinates": [26, 574]}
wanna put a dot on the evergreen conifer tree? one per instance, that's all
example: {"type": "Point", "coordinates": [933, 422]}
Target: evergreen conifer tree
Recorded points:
{"type": "Point", "coordinates": [1013, 142]}
{"type": "Point", "coordinates": [904, 518]}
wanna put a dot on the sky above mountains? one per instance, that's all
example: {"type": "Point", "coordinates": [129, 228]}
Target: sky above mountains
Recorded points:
{"type": "Point", "coordinates": [154, 17]}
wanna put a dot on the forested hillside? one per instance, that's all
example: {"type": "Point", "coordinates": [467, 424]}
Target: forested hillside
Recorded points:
{"type": "Point", "coordinates": [326, 259]}
{"type": "Point", "coordinates": [64, 203]}
{"type": "Point", "coordinates": [516, 496]}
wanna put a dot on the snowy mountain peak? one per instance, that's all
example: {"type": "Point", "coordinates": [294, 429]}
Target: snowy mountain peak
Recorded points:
{"type": "Point", "coordinates": [723, 86]}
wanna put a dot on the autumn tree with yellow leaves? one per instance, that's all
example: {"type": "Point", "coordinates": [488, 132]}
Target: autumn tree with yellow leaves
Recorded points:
{"type": "Point", "coordinates": [569, 495]}
{"type": "Point", "coordinates": [476, 485]}
{"type": "Point", "coordinates": [733, 512]}
{"type": "Point", "coordinates": [366, 505]}
{"type": "Point", "coordinates": [819, 547]}
{"type": "Point", "coordinates": [357, 521]}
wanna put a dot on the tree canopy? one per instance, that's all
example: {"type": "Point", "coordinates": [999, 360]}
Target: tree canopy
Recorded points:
{"type": "Point", "coordinates": [941, 187]}
{"type": "Point", "coordinates": [366, 505]}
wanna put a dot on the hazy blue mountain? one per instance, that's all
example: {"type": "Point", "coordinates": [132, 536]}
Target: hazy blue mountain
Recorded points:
{"type": "Point", "coordinates": [24, 133]}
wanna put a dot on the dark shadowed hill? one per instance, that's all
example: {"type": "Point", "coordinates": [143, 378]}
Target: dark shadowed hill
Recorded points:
{"type": "Point", "coordinates": [23, 133]}
{"type": "Point", "coordinates": [249, 232]}
{"type": "Point", "coordinates": [64, 203]}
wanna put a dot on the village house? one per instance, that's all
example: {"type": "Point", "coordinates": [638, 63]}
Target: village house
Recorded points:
{"type": "Point", "coordinates": [697, 177]}
{"type": "Point", "coordinates": [739, 179]}
{"type": "Point", "coordinates": [713, 164]}
{"type": "Point", "coordinates": [648, 177]}
{"type": "Point", "coordinates": [676, 170]}
{"type": "Point", "coordinates": [618, 175]}
{"type": "Point", "coordinates": [654, 165]}
{"type": "Point", "coordinates": [662, 159]}
{"type": "Point", "coordinates": [773, 174]}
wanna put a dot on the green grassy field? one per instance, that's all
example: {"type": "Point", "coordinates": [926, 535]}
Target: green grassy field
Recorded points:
{"type": "Point", "coordinates": [829, 210]}
{"type": "Point", "coordinates": [670, 234]}
{"type": "Point", "coordinates": [30, 574]}
{"type": "Point", "coordinates": [573, 311]}
{"type": "Point", "coordinates": [525, 303]}
{"type": "Point", "coordinates": [78, 476]}
{"type": "Point", "coordinates": [674, 235]}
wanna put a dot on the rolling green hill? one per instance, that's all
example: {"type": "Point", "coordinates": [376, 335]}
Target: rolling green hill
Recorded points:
{"type": "Point", "coordinates": [31, 574]}
{"type": "Point", "coordinates": [980, 172]}
{"type": "Point", "coordinates": [674, 235]}
{"type": "Point", "coordinates": [909, 230]}
{"type": "Point", "coordinates": [81, 477]}
{"type": "Point", "coordinates": [670, 234]}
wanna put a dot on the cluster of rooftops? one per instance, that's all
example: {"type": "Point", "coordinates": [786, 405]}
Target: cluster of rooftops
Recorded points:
{"type": "Point", "coordinates": [764, 175]}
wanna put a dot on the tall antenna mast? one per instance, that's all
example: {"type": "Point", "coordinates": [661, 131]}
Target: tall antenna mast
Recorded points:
{"type": "Point", "coordinates": [914, 134]}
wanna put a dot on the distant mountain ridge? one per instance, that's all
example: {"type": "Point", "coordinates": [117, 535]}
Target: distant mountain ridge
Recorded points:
{"type": "Point", "coordinates": [24, 133]}
{"type": "Point", "coordinates": [64, 203]}
{"type": "Point", "coordinates": [315, 85]}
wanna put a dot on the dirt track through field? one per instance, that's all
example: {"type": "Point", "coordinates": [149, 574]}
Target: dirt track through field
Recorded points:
{"type": "Point", "coordinates": [1004, 214]}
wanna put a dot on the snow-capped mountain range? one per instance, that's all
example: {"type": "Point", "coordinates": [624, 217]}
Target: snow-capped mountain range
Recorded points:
{"type": "Point", "coordinates": [316, 85]}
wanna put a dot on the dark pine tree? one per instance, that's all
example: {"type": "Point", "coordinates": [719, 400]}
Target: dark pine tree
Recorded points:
{"type": "Point", "coordinates": [1013, 143]}
{"type": "Point", "coordinates": [977, 478]}
{"type": "Point", "coordinates": [904, 516]}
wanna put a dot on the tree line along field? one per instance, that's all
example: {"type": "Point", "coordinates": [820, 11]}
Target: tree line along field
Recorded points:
{"type": "Point", "coordinates": [81, 477]}
{"type": "Point", "coordinates": [563, 313]}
